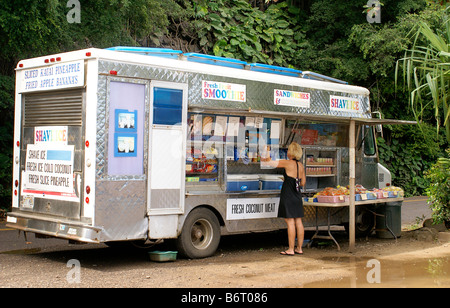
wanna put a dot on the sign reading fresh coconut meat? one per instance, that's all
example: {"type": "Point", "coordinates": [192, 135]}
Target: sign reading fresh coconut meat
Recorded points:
{"type": "Point", "coordinates": [252, 208]}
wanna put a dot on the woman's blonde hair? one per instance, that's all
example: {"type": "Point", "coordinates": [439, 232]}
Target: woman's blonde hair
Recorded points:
{"type": "Point", "coordinates": [295, 150]}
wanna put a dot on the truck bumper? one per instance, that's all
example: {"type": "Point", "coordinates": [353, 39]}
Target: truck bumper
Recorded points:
{"type": "Point", "coordinates": [53, 226]}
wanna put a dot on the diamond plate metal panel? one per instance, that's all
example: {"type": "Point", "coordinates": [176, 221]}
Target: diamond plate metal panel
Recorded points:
{"type": "Point", "coordinates": [102, 126]}
{"type": "Point", "coordinates": [259, 94]}
{"type": "Point", "coordinates": [165, 198]}
{"type": "Point", "coordinates": [120, 209]}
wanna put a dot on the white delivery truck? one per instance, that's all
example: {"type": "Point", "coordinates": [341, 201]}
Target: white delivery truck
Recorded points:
{"type": "Point", "coordinates": [142, 144]}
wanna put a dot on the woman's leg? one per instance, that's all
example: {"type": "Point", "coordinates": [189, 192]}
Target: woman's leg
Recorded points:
{"type": "Point", "coordinates": [291, 234]}
{"type": "Point", "coordinates": [300, 234]}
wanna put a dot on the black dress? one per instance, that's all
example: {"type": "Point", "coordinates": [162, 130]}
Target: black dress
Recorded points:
{"type": "Point", "coordinates": [291, 204]}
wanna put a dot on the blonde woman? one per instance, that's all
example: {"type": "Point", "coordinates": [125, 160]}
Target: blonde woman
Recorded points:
{"type": "Point", "coordinates": [291, 205]}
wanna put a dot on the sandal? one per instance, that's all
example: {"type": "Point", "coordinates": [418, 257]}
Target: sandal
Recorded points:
{"type": "Point", "coordinates": [284, 253]}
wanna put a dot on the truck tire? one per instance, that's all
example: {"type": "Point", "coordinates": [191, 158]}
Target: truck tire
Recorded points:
{"type": "Point", "coordinates": [364, 222]}
{"type": "Point", "coordinates": [200, 235]}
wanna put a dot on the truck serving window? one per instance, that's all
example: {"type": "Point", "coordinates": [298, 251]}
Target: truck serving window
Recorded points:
{"type": "Point", "coordinates": [323, 134]}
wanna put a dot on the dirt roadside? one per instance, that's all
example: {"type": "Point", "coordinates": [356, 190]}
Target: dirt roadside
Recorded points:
{"type": "Point", "coordinates": [251, 260]}
{"type": "Point", "coordinates": [266, 268]}
{"type": "Point", "coordinates": [242, 261]}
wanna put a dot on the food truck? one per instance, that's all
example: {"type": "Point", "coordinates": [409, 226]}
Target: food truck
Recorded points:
{"type": "Point", "coordinates": [143, 144]}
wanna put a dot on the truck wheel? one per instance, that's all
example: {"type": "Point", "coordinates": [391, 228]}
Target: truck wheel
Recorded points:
{"type": "Point", "coordinates": [200, 235]}
{"type": "Point", "coordinates": [364, 222]}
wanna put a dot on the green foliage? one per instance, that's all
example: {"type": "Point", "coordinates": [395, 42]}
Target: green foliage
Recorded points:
{"type": "Point", "coordinates": [407, 154]}
{"type": "Point", "coordinates": [29, 28]}
{"type": "Point", "coordinates": [6, 138]}
{"type": "Point", "coordinates": [438, 191]}
{"type": "Point", "coordinates": [106, 23]}
{"type": "Point", "coordinates": [380, 46]}
{"type": "Point", "coordinates": [232, 28]}
{"type": "Point", "coordinates": [426, 69]}
{"type": "Point", "coordinates": [327, 51]}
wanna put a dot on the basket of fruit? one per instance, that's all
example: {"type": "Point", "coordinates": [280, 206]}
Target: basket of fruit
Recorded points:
{"type": "Point", "coordinates": [394, 192]}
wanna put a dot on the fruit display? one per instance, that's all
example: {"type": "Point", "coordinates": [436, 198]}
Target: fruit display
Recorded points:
{"type": "Point", "coordinates": [341, 190]}
{"type": "Point", "coordinates": [395, 191]}
{"type": "Point", "coordinates": [341, 194]}
{"type": "Point", "coordinates": [332, 191]}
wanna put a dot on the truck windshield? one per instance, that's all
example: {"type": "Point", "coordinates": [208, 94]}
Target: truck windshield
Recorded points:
{"type": "Point", "coordinates": [369, 141]}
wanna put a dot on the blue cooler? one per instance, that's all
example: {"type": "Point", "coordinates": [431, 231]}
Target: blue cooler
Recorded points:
{"type": "Point", "coordinates": [271, 181]}
{"type": "Point", "coordinates": [242, 182]}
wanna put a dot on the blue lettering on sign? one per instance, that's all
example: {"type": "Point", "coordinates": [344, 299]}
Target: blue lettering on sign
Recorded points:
{"type": "Point", "coordinates": [54, 76]}
{"type": "Point", "coordinates": [31, 74]}
{"type": "Point", "coordinates": [31, 85]}
{"type": "Point", "coordinates": [47, 83]}
{"type": "Point", "coordinates": [244, 187]}
{"type": "Point", "coordinates": [68, 68]}
{"type": "Point", "coordinates": [45, 72]}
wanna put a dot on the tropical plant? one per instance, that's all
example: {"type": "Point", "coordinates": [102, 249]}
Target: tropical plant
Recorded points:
{"type": "Point", "coordinates": [438, 191]}
{"type": "Point", "coordinates": [426, 71]}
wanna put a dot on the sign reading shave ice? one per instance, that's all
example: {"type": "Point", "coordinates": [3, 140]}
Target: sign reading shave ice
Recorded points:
{"type": "Point", "coordinates": [341, 103]}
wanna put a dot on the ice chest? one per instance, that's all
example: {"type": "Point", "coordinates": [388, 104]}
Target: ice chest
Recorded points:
{"type": "Point", "coordinates": [271, 181]}
{"type": "Point", "coordinates": [242, 182]}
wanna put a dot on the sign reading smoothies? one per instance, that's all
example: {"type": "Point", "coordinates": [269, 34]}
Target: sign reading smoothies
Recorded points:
{"type": "Point", "coordinates": [224, 91]}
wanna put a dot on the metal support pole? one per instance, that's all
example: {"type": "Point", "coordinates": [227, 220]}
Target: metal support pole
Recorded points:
{"type": "Point", "coordinates": [352, 165]}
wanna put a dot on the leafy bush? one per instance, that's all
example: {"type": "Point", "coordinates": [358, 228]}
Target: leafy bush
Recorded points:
{"type": "Point", "coordinates": [234, 29]}
{"type": "Point", "coordinates": [6, 139]}
{"type": "Point", "coordinates": [407, 154]}
{"type": "Point", "coordinates": [439, 189]}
